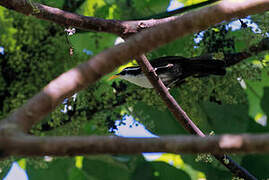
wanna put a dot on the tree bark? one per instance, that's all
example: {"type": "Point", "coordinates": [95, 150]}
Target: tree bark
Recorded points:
{"type": "Point", "coordinates": [85, 145]}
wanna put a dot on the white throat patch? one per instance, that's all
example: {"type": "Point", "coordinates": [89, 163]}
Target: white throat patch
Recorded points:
{"type": "Point", "coordinates": [139, 80]}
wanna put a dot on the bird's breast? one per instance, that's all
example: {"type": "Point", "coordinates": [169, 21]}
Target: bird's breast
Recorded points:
{"type": "Point", "coordinates": [139, 80]}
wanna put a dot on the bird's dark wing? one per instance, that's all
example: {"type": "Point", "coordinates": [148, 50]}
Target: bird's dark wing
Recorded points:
{"type": "Point", "coordinates": [163, 61]}
{"type": "Point", "coordinates": [204, 67]}
{"type": "Point", "coordinates": [178, 68]}
{"type": "Point", "coordinates": [192, 66]}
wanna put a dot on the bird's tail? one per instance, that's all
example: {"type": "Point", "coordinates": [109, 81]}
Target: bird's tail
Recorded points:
{"type": "Point", "coordinates": [198, 66]}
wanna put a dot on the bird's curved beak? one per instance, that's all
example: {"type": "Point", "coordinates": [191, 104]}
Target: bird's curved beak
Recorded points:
{"type": "Point", "coordinates": [113, 77]}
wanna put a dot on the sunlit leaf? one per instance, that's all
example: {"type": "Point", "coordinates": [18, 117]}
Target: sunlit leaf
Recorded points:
{"type": "Point", "coordinates": [22, 163]}
{"type": "Point", "coordinates": [255, 92]}
{"type": "Point", "coordinates": [89, 7]}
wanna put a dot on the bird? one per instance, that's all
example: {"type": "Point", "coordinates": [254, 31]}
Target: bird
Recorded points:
{"type": "Point", "coordinates": [173, 70]}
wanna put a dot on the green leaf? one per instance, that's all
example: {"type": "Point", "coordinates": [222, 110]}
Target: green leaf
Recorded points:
{"type": "Point", "coordinates": [4, 170]}
{"type": "Point", "coordinates": [90, 6]}
{"type": "Point", "coordinates": [145, 170]}
{"type": "Point", "coordinates": [54, 3]}
{"type": "Point", "coordinates": [105, 168]}
{"type": "Point", "coordinates": [150, 7]}
{"type": "Point", "coordinates": [164, 171]}
{"type": "Point", "coordinates": [227, 118]}
{"type": "Point", "coordinates": [265, 100]}
{"type": "Point", "coordinates": [164, 122]}
{"type": "Point", "coordinates": [209, 169]}
{"type": "Point", "coordinates": [157, 171]}
{"type": "Point", "coordinates": [57, 169]}
{"type": "Point", "coordinates": [7, 31]}
{"type": "Point", "coordinates": [178, 47]}
{"type": "Point", "coordinates": [92, 41]}
{"type": "Point", "coordinates": [257, 165]}
{"type": "Point", "coordinates": [77, 174]}
{"type": "Point", "coordinates": [255, 92]}
{"type": "Point", "coordinates": [22, 163]}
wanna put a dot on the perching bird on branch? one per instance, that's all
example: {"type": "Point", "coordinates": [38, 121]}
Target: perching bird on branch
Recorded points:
{"type": "Point", "coordinates": [172, 70]}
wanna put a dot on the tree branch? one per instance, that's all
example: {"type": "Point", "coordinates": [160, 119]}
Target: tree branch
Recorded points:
{"type": "Point", "coordinates": [77, 145]}
{"type": "Point", "coordinates": [67, 19]}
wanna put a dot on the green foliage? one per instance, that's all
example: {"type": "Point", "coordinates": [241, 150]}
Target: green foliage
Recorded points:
{"type": "Point", "coordinates": [227, 118]}
{"type": "Point", "coordinates": [149, 7]}
{"type": "Point", "coordinates": [5, 167]}
{"type": "Point", "coordinates": [53, 3]}
{"type": "Point", "coordinates": [255, 93]}
{"type": "Point", "coordinates": [77, 174]}
{"type": "Point", "coordinates": [7, 31]}
{"type": "Point", "coordinates": [158, 170]}
{"type": "Point", "coordinates": [107, 9]}
{"type": "Point", "coordinates": [57, 169]}
{"type": "Point", "coordinates": [163, 121]}
{"type": "Point", "coordinates": [33, 64]}
{"type": "Point", "coordinates": [105, 168]}
{"type": "Point", "coordinates": [257, 165]}
{"type": "Point", "coordinates": [212, 172]}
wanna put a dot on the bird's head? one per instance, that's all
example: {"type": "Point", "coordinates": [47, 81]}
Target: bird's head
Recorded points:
{"type": "Point", "coordinates": [127, 72]}
{"type": "Point", "coordinates": [134, 75]}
